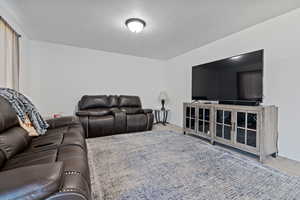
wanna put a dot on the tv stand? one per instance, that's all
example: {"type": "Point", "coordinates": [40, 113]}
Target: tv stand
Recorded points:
{"type": "Point", "coordinates": [253, 129]}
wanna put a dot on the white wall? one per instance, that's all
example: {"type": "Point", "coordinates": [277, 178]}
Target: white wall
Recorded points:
{"type": "Point", "coordinates": [63, 74]}
{"type": "Point", "coordinates": [280, 37]}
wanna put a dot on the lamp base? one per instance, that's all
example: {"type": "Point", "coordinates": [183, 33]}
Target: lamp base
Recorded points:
{"type": "Point", "coordinates": [163, 105]}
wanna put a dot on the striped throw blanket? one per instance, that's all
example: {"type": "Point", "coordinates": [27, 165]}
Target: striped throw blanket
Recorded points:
{"type": "Point", "coordinates": [25, 109]}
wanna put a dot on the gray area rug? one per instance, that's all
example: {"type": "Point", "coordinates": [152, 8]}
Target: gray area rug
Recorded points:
{"type": "Point", "coordinates": [164, 165]}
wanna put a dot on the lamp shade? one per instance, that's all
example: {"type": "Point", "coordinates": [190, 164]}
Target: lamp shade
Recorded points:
{"type": "Point", "coordinates": [163, 96]}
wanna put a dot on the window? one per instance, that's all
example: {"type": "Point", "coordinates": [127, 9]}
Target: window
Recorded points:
{"type": "Point", "coordinates": [9, 56]}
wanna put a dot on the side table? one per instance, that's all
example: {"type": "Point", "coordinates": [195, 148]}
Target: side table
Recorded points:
{"type": "Point", "coordinates": [161, 116]}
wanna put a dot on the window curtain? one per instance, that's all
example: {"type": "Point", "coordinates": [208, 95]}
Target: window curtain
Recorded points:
{"type": "Point", "coordinates": [9, 56]}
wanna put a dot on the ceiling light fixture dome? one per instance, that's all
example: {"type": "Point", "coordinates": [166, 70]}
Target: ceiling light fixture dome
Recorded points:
{"type": "Point", "coordinates": [135, 25]}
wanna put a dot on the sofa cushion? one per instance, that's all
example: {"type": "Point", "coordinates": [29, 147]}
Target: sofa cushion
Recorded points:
{"type": "Point", "coordinates": [31, 158]}
{"type": "Point", "coordinates": [129, 101]}
{"type": "Point", "coordinates": [8, 117]}
{"type": "Point", "coordinates": [94, 112]}
{"type": "Point", "coordinates": [13, 141]}
{"type": "Point", "coordinates": [44, 141]}
{"type": "Point", "coordinates": [62, 125]}
{"type": "Point", "coordinates": [63, 136]}
{"type": "Point", "coordinates": [113, 100]}
{"type": "Point", "coordinates": [96, 101]}
{"type": "Point", "coordinates": [63, 121]}
{"type": "Point", "coordinates": [34, 182]}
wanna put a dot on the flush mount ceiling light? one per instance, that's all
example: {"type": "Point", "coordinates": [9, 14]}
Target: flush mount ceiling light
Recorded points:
{"type": "Point", "coordinates": [135, 25]}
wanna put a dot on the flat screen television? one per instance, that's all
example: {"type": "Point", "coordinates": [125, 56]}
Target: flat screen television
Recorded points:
{"type": "Point", "coordinates": [234, 80]}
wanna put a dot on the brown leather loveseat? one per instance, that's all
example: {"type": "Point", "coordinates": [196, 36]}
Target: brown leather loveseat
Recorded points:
{"type": "Point", "coordinates": [103, 115]}
{"type": "Point", "coordinates": [49, 167]}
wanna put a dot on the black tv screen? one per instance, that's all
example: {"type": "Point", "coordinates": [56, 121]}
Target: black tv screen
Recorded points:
{"type": "Point", "coordinates": [239, 78]}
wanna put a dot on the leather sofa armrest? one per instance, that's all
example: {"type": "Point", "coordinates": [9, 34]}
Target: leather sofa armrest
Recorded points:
{"type": "Point", "coordinates": [32, 182]}
{"type": "Point", "coordinates": [147, 111]}
{"type": "Point", "coordinates": [150, 118]}
{"type": "Point", "coordinates": [62, 121]}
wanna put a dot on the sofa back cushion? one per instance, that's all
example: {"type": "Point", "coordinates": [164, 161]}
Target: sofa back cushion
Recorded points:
{"type": "Point", "coordinates": [130, 101]}
{"type": "Point", "coordinates": [14, 141]}
{"type": "Point", "coordinates": [93, 101]}
{"type": "Point", "coordinates": [113, 101]}
{"type": "Point", "coordinates": [13, 138]}
{"type": "Point", "coordinates": [8, 117]}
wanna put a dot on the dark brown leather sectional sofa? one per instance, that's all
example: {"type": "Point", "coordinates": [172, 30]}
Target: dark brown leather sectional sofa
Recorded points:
{"type": "Point", "coordinates": [103, 115]}
{"type": "Point", "coordinates": [51, 167]}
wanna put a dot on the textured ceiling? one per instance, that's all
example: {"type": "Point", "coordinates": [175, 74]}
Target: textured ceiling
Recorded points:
{"type": "Point", "coordinates": [173, 26]}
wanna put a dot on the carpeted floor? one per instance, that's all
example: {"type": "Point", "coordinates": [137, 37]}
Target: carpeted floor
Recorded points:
{"type": "Point", "coordinates": [164, 165]}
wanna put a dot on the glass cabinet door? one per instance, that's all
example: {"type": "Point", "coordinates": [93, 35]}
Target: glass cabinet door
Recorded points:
{"type": "Point", "coordinates": [190, 117]}
{"type": "Point", "coordinates": [193, 118]}
{"type": "Point", "coordinates": [187, 116]}
{"type": "Point", "coordinates": [241, 128]}
{"type": "Point", "coordinates": [224, 124]}
{"type": "Point", "coordinates": [203, 120]}
{"type": "Point", "coordinates": [246, 132]}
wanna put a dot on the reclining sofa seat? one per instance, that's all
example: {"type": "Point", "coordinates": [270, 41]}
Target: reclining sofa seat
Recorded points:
{"type": "Point", "coordinates": [51, 167]}
{"type": "Point", "coordinates": [103, 115]}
